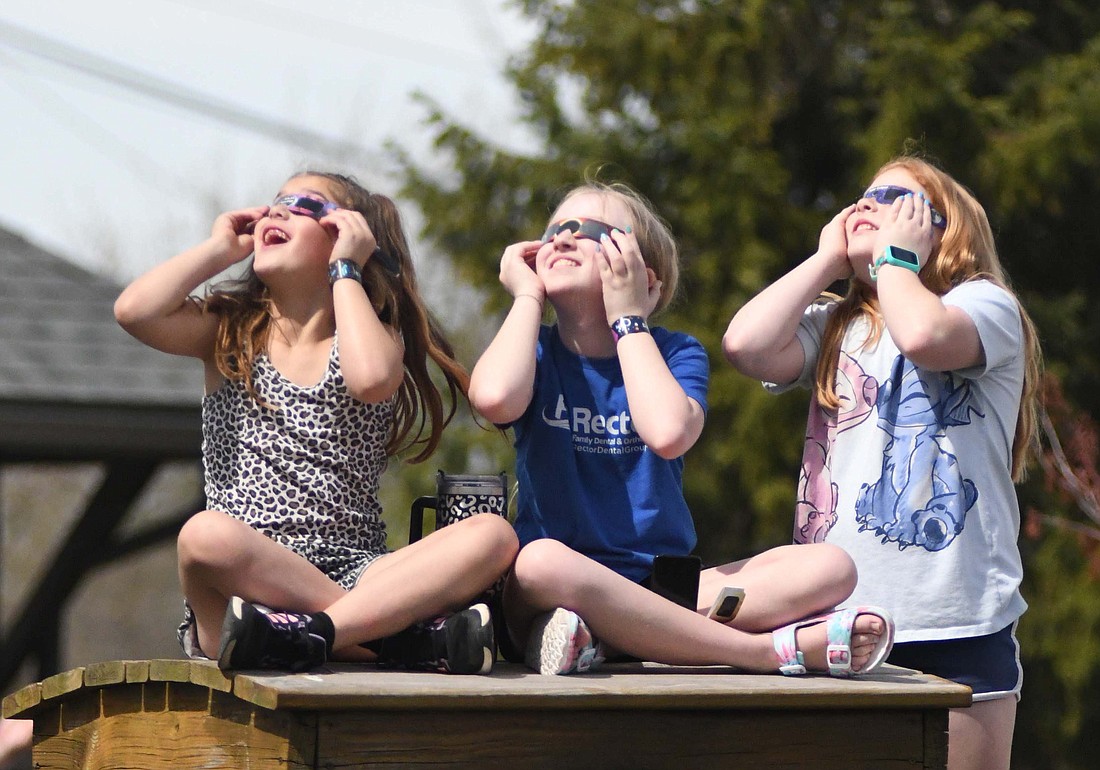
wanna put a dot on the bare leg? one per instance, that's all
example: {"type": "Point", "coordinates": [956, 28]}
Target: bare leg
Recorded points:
{"type": "Point", "coordinates": [221, 557]}
{"type": "Point", "coordinates": [442, 572]}
{"type": "Point", "coordinates": [783, 584]}
{"type": "Point", "coordinates": [980, 737]}
{"type": "Point", "coordinates": [632, 619]}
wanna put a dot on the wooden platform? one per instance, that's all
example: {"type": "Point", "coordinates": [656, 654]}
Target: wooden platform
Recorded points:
{"type": "Point", "coordinates": [183, 714]}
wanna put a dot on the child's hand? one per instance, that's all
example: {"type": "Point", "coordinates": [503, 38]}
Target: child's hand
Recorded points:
{"type": "Point", "coordinates": [517, 270]}
{"type": "Point", "coordinates": [233, 232]}
{"type": "Point", "coordinates": [629, 287]}
{"type": "Point", "coordinates": [833, 242]}
{"type": "Point", "coordinates": [352, 236]}
{"type": "Point", "coordinates": [908, 225]}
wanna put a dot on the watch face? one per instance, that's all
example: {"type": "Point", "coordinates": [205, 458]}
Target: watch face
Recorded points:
{"type": "Point", "coordinates": [904, 255]}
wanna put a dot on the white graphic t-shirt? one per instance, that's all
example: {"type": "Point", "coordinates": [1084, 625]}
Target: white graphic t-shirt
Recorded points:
{"type": "Point", "coordinates": [913, 478]}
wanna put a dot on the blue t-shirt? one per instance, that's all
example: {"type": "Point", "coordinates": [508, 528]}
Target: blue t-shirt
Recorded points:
{"type": "Point", "coordinates": [585, 477]}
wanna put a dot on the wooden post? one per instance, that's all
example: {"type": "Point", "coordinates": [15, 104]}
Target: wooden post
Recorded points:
{"type": "Point", "coordinates": [39, 615]}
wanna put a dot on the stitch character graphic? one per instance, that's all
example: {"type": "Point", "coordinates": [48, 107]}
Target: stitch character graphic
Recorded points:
{"type": "Point", "coordinates": [815, 511]}
{"type": "Point", "coordinates": [910, 505]}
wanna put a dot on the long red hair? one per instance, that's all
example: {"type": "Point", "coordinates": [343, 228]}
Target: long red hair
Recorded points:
{"type": "Point", "coordinates": [966, 252]}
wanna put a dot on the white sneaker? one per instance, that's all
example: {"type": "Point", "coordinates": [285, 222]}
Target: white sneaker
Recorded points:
{"type": "Point", "coordinates": [561, 643]}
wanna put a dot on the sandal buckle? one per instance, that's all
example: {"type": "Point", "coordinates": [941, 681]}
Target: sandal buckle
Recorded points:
{"type": "Point", "coordinates": [795, 666]}
{"type": "Point", "coordinates": [839, 657]}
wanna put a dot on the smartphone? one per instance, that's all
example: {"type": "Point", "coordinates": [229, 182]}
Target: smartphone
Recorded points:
{"type": "Point", "coordinates": [726, 604]}
{"type": "Point", "coordinates": [676, 578]}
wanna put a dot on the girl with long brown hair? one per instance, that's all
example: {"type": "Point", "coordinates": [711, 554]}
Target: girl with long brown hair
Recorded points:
{"type": "Point", "coordinates": [318, 369]}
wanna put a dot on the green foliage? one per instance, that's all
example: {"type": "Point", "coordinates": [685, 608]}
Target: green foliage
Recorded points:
{"type": "Point", "coordinates": [1070, 634]}
{"type": "Point", "coordinates": [749, 123]}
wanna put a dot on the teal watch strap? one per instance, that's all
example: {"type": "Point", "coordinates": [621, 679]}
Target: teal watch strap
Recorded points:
{"type": "Point", "coordinates": [896, 256]}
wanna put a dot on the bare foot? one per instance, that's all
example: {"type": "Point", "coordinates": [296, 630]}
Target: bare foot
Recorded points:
{"type": "Point", "coordinates": [866, 632]}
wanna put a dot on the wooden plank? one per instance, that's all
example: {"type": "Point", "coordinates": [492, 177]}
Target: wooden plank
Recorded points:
{"type": "Point", "coordinates": [207, 673]}
{"type": "Point", "coordinates": [137, 671]}
{"type": "Point", "coordinates": [637, 715]}
{"type": "Point", "coordinates": [297, 729]}
{"type": "Point", "coordinates": [170, 670]}
{"type": "Point", "coordinates": [531, 740]}
{"type": "Point", "coordinates": [60, 684]}
{"type": "Point", "coordinates": [102, 674]}
{"type": "Point", "coordinates": [171, 740]}
{"type": "Point", "coordinates": [228, 708]}
{"type": "Point", "coordinates": [630, 687]}
{"type": "Point", "coordinates": [22, 700]}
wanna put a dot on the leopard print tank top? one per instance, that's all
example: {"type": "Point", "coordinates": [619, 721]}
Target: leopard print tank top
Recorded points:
{"type": "Point", "coordinates": [303, 470]}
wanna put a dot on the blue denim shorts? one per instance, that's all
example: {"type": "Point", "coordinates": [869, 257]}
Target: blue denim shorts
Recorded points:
{"type": "Point", "coordinates": [988, 665]}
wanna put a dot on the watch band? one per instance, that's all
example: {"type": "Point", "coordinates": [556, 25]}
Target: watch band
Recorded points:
{"type": "Point", "coordinates": [628, 324]}
{"type": "Point", "coordinates": [896, 256]}
{"type": "Point", "coordinates": [344, 268]}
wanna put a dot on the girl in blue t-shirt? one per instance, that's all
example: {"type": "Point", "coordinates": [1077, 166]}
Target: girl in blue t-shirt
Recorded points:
{"type": "Point", "coordinates": [604, 408]}
{"type": "Point", "coordinates": [923, 411]}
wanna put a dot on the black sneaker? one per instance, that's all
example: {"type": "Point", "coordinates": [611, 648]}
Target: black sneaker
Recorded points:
{"type": "Point", "coordinates": [462, 643]}
{"type": "Point", "coordinates": [254, 636]}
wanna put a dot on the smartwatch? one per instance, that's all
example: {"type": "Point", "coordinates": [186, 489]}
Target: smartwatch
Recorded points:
{"type": "Point", "coordinates": [344, 268]}
{"type": "Point", "coordinates": [897, 256]}
{"type": "Point", "coordinates": [628, 324]}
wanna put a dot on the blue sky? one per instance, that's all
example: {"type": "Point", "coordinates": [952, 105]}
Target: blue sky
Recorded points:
{"type": "Point", "coordinates": [116, 179]}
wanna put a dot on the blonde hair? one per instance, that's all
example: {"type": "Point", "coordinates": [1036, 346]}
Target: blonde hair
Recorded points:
{"type": "Point", "coordinates": [658, 247]}
{"type": "Point", "coordinates": [966, 252]}
{"type": "Point", "coordinates": [244, 325]}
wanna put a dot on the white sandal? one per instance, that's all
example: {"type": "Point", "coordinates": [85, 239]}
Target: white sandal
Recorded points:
{"type": "Point", "coordinates": [838, 631]}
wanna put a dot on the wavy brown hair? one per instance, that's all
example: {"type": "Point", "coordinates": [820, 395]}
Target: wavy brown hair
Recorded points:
{"type": "Point", "coordinates": [420, 415]}
{"type": "Point", "coordinates": [967, 252]}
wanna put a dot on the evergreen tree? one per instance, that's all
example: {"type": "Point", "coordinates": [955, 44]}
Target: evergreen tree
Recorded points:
{"type": "Point", "coordinates": [750, 123]}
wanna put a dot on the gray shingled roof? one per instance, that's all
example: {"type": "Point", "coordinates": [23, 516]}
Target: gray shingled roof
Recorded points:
{"type": "Point", "coordinates": [59, 339]}
{"type": "Point", "coordinates": [68, 372]}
